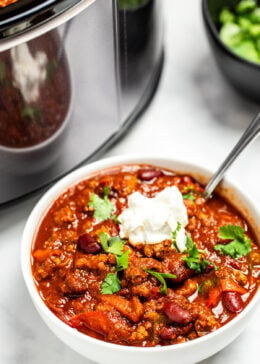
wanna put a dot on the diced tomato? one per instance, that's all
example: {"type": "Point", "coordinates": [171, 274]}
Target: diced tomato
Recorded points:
{"type": "Point", "coordinates": [229, 285]}
{"type": "Point", "coordinates": [214, 297]}
{"type": "Point", "coordinates": [43, 254]}
{"type": "Point", "coordinates": [96, 321]}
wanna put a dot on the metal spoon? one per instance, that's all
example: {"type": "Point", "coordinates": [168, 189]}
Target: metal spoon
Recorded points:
{"type": "Point", "coordinates": [252, 132]}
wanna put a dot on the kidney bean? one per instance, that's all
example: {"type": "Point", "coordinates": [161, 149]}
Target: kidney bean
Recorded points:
{"type": "Point", "coordinates": [167, 333]}
{"type": "Point", "coordinates": [170, 332]}
{"type": "Point", "coordinates": [112, 193]}
{"type": "Point", "coordinates": [232, 301]}
{"type": "Point", "coordinates": [87, 244]}
{"type": "Point", "coordinates": [177, 314]}
{"type": "Point", "coordinates": [148, 174]}
{"type": "Point", "coordinates": [234, 263]}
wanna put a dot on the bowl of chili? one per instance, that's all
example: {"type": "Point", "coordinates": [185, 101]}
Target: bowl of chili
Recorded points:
{"type": "Point", "coordinates": [110, 296]}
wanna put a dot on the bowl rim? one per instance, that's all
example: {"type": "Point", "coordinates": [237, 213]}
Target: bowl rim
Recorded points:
{"type": "Point", "coordinates": [46, 201]}
{"type": "Point", "coordinates": [212, 28]}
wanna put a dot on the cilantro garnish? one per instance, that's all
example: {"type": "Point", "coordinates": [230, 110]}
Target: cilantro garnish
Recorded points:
{"type": "Point", "coordinates": [194, 260]}
{"type": "Point", "coordinates": [189, 193]}
{"type": "Point", "coordinates": [174, 235]}
{"type": "Point", "coordinates": [115, 246]}
{"type": "Point", "coordinates": [240, 244]}
{"type": "Point", "coordinates": [189, 196]}
{"type": "Point", "coordinates": [102, 206]}
{"type": "Point", "coordinates": [122, 260]}
{"type": "Point", "coordinates": [160, 277]}
{"type": "Point", "coordinates": [111, 284]}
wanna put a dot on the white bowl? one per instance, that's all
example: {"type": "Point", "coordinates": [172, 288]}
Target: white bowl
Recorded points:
{"type": "Point", "coordinates": [106, 353]}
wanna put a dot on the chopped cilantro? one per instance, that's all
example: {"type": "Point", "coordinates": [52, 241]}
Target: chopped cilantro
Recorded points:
{"type": "Point", "coordinates": [194, 260]}
{"type": "Point", "coordinates": [160, 277]}
{"type": "Point", "coordinates": [111, 284]}
{"type": "Point", "coordinates": [106, 191]}
{"type": "Point", "coordinates": [189, 196]}
{"type": "Point", "coordinates": [30, 112]}
{"type": "Point", "coordinates": [189, 193]}
{"type": "Point", "coordinates": [122, 260]}
{"type": "Point", "coordinates": [240, 244]}
{"type": "Point", "coordinates": [104, 240]}
{"type": "Point", "coordinates": [102, 206]}
{"type": "Point", "coordinates": [174, 235]}
{"type": "Point", "coordinates": [115, 246]}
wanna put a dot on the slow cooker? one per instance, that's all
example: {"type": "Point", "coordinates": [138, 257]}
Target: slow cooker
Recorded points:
{"type": "Point", "coordinates": [74, 75]}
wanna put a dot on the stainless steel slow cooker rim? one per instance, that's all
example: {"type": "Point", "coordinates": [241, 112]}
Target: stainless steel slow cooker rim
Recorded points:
{"type": "Point", "coordinates": [45, 26]}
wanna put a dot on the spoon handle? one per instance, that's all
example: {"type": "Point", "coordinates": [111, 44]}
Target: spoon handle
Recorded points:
{"type": "Point", "coordinates": [252, 131]}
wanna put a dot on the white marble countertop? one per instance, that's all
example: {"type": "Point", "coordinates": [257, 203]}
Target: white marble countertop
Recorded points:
{"type": "Point", "coordinates": [193, 107]}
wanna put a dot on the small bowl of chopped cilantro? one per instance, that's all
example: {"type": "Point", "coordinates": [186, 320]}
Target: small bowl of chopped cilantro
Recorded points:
{"type": "Point", "coordinates": [233, 30]}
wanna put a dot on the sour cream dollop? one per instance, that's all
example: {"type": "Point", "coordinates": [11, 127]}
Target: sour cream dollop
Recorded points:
{"type": "Point", "coordinates": [152, 220]}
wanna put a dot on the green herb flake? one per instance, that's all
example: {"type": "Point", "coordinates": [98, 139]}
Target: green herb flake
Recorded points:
{"type": "Point", "coordinates": [194, 260]}
{"type": "Point", "coordinates": [111, 284]}
{"type": "Point", "coordinates": [122, 260]}
{"type": "Point", "coordinates": [116, 246]}
{"type": "Point", "coordinates": [30, 112]}
{"type": "Point", "coordinates": [189, 196]}
{"type": "Point", "coordinates": [240, 244]}
{"type": "Point", "coordinates": [102, 206]}
{"type": "Point", "coordinates": [174, 235]}
{"type": "Point", "coordinates": [104, 240]}
{"type": "Point", "coordinates": [161, 278]}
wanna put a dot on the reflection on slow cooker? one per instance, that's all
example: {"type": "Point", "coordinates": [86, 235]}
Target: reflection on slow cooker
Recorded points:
{"type": "Point", "coordinates": [35, 91]}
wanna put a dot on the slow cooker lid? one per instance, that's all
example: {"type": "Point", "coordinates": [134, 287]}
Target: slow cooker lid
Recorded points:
{"type": "Point", "coordinates": [25, 15]}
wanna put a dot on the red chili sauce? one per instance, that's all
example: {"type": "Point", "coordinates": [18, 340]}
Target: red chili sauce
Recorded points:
{"type": "Point", "coordinates": [70, 267]}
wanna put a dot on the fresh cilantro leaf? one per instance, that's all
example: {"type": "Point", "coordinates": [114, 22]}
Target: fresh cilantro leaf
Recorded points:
{"type": "Point", "coordinates": [106, 191]}
{"type": "Point", "coordinates": [174, 235]}
{"type": "Point", "coordinates": [200, 287]}
{"type": "Point", "coordinates": [112, 245]}
{"type": "Point", "coordinates": [240, 244]}
{"type": "Point", "coordinates": [111, 284]}
{"type": "Point", "coordinates": [189, 196]}
{"type": "Point", "coordinates": [122, 260]}
{"type": "Point", "coordinates": [189, 243]}
{"type": "Point", "coordinates": [103, 207]}
{"type": "Point", "coordinates": [103, 240]}
{"type": "Point", "coordinates": [30, 112]}
{"type": "Point", "coordinates": [160, 277]}
{"type": "Point", "coordinates": [187, 189]}
{"type": "Point", "coordinates": [194, 260]}
{"type": "Point", "coordinates": [116, 246]}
